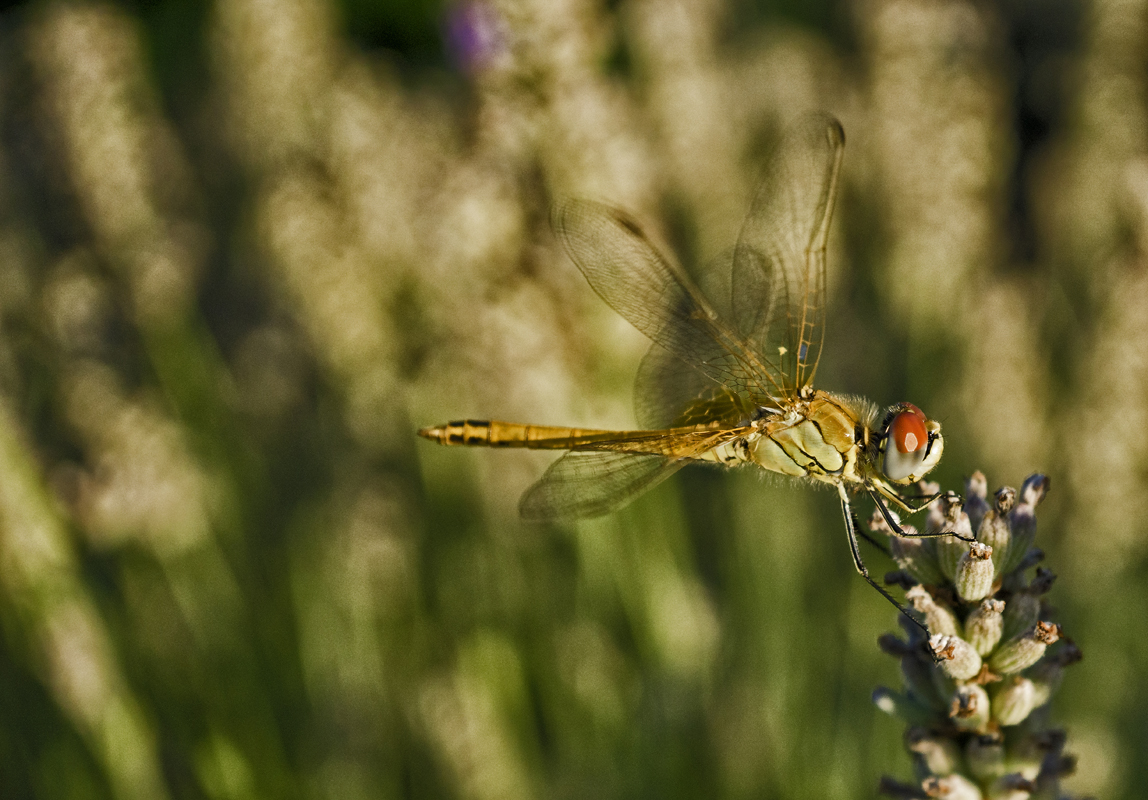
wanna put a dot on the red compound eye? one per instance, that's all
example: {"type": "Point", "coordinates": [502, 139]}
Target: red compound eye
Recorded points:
{"type": "Point", "coordinates": [908, 430]}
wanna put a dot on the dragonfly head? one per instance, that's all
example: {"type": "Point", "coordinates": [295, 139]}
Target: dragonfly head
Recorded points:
{"type": "Point", "coordinates": [911, 444]}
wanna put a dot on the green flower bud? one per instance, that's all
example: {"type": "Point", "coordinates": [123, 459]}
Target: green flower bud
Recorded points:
{"type": "Point", "coordinates": [1045, 677]}
{"type": "Point", "coordinates": [1028, 754]}
{"type": "Point", "coordinates": [917, 673]}
{"type": "Point", "coordinates": [970, 709]}
{"type": "Point", "coordinates": [985, 756]}
{"type": "Point", "coordinates": [917, 558]}
{"type": "Point", "coordinates": [974, 575]}
{"type": "Point", "coordinates": [976, 487]}
{"type": "Point", "coordinates": [1013, 700]}
{"type": "Point", "coordinates": [1022, 520]}
{"type": "Point", "coordinates": [996, 533]}
{"type": "Point", "coordinates": [907, 708]}
{"type": "Point", "coordinates": [1013, 786]}
{"type": "Point", "coordinates": [1021, 612]}
{"type": "Point", "coordinates": [938, 618]}
{"type": "Point", "coordinates": [984, 626]}
{"type": "Point", "coordinates": [939, 754]}
{"type": "Point", "coordinates": [950, 549]}
{"type": "Point", "coordinates": [958, 658]}
{"type": "Point", "coordinates": [1024, 650]}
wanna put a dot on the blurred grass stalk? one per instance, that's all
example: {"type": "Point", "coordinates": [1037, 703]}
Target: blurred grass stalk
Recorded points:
{"type": "Point", "coordinates": [50, 618]}
{"type": "Point", "coordinates": [977, 691]}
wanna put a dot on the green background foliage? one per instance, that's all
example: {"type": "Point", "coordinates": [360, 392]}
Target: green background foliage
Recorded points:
{"type": "Point", "coordinates": [247, 248]}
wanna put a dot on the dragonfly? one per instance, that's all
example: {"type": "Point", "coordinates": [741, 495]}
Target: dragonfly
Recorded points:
{"type": "Point", "coordinates": [728, 378]}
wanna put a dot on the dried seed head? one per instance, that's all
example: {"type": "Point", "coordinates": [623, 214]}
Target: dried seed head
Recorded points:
{"type": "Point", "coordinates": [974, 575]}
{"type": "Point", "coordinates": [938, 618]}
{"type": "Point", "coordinates": [1022, 651]}
{"type": "Point", "coordinates": [1013, 701]}
{"type": "Point", "coordinates": [970, 709]}
{"type": "Point", "coordinates": [940, 754]}
{"type": "Point", "coordinates": [1004, 500]}
{"type": "Point", "coordinates": [984, 626]}
{"type": "Point", "coordinates": [958, 658]}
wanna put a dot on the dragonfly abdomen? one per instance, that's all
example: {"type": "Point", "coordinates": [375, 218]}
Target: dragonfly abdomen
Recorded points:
{"type": "Point", "coordinates": [731, 453]}
{"type": "Point", "coordinates": [492, 433]}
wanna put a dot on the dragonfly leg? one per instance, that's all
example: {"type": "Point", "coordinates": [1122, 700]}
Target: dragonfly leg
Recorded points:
{"type": "Point", "coordinates": [879, 501]}
{"type": "Point", "coordinates": [853, 529]}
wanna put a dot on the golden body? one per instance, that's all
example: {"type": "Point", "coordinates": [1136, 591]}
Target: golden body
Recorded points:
{"type": "Point", "coordinates": [823, 437]}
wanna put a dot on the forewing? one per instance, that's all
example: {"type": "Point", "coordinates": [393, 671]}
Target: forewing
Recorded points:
{"type": "Point", "coordinates": [778, 279]}
{"type": "Point", "coordinates": [627, 271]}
{"type": "Point", "coordinates": [591, 484]}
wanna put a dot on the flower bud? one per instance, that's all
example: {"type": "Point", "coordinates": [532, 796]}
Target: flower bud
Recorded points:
{"type": "Point", "coordinates": [1022, 520]}
{"type": "Point", "coordinates": [996, 533]}
{"type": "Point", "coordinates": [1021, 612]}
{"type": "Point", "coordinates": [938, 618]}
{"type": "Point", "coordinates": [950, 549]}
{"type": "Point", "coordinates": [1045, 677]}
{"type": "Point", "coordinates": [974, 576]}
{"type": "Point", "coordinates": [902, 706]}
{"type": "Point", "coordinates": [984, 626]}
{"type": "Point", "coordinates": [958, 658]}
{"type": "Point", "coordinates": [940, 754]}
{"type": "Point", "coordinates": [970, 709]}
{"type": "Point", "coordinates": [1034, 489]}
{"type": "Point", "coordinates": [918, 673]}
{"type": "Point", "coordinates": [1013, 700]}
{"type": "Point", "coordinates": [1013, 786]}
{"type": "Point", "coordinates": [951, 787]}
{"type": "Point", "coordinates": [985, 756]}
{"type": "Point", "coordinates": [917, 558]}
{"type": "Point", "coordinates": [1024, 650]}
{"type": "Point", "coordinates": [976, 487]}
{"type": "Point", "coordinates": [1029, 753]}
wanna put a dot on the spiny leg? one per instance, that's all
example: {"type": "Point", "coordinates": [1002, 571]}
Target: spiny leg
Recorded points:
{"type": "Point", "coordinates": [853, 529]}
{"type": "Point", "coordinates": [879, 501]}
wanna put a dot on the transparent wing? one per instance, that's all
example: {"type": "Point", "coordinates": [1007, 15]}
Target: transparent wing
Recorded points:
{"type": "Point", "coordinates": [591, 484]}
{"type": "Point", "coordinates": [627, 271]}
{"type": "Point", "coordinates": [778, 278]}
{"type": "Point", "coordinates": [668, 393]}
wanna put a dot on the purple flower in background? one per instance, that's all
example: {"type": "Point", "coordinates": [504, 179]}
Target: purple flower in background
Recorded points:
{"type": "Point", "coordinates": [474, 34]}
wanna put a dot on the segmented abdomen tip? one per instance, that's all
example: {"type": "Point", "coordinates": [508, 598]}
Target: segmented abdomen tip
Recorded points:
{"type": "Point", "coordinates": [435, 432]}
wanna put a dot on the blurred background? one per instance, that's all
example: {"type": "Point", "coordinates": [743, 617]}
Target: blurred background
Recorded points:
{"type": "Point", "coordinates": [248, 247]}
